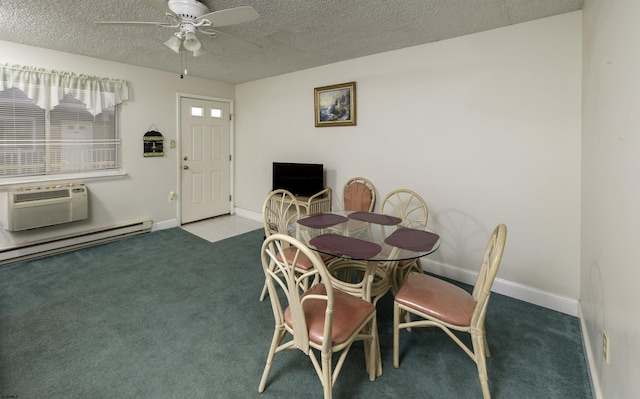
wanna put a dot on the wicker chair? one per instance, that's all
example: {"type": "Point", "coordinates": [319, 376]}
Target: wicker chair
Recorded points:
{"type": "Point", "coordinates": [449, 307]}
{"type": "Point", "coordinates": [321, 319]}
{"type": "Point", "coordinates": [410, 207]}
{"type": "Point", "coordinates": [359, 195]}
{"type": "Point", "coordinates": [279, 212]}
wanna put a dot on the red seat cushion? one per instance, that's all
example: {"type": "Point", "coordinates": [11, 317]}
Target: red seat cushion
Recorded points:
{"type": "Point", "coordinates": [437, 298]}
{"type": "Point", "coordinates": [349, 312]}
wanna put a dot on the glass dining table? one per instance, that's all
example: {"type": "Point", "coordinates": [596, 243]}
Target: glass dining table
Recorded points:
{"type": "Point", "coordinates": [366, 247]}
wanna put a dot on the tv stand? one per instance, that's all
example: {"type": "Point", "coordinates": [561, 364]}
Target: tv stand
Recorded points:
{"type": "Point", "coordinates": [317, 203]}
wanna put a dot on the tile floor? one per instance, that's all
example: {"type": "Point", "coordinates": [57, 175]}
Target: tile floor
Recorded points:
{"type": "Point", "coordinates": [221, 227]}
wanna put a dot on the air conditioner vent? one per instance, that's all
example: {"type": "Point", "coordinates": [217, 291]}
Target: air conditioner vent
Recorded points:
{"type": "Point", "coordinates": [41, 195]}
{"type": "Point", "coordinates": [30, 208]}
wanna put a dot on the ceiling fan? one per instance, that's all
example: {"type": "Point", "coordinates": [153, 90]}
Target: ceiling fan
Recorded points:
{"type": "Point", "coordinates": [191, 17]}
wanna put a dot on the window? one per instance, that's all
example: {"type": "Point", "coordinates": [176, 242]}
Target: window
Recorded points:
{"type": "Point", "coordinates": [216, 113]}
{"type": "Point", "coordinates": [197, 111]}
{"type": "Point", "coordinates": [73, 132]}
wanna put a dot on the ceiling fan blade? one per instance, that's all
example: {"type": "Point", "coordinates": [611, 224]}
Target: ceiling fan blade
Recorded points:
{"type": "Point", "coordinates": [160, 5]}
{"type": "Point", "coordinates": [231, 41]}
{"type": "Point", "coordinates": [136, 23]}
{"type": "Point", "coordinates": [230, 16]}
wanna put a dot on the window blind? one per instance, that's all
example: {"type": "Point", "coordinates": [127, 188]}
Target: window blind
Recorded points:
{"type": "Point", "coordinates": [56, 122]}
{"type": "Point", "coordinates": [22, 135]}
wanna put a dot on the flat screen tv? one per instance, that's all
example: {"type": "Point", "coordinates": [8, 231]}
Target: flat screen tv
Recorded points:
{"type": "Point", "coordinates": [302, 179]}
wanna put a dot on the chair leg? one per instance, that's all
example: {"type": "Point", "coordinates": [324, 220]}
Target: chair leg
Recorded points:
{"type": "Point", "coordinates": [393, 272]}
{"type": "Point", "coordinates": [407, 319]}
{"type": "Point", "coordinates": [396, 335]}
{"type": "Point", "coordinates": [479, 342]}
{"type": "Point", "coordinates": [264, 292]}
{"type": "Point", "coordinates": [486, 346]}
{"type": "Point", "coordinates": [375, 360]}
{"type": "Point", "coordinates": [369, 353]}
{"type": "Point", "coordinates": [327, 377]}
{"type": "Point", "coordinates": [278, 335]}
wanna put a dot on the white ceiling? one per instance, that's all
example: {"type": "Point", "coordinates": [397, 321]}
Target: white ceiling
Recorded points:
{"type": "Point", "coordinates": [293, 34]}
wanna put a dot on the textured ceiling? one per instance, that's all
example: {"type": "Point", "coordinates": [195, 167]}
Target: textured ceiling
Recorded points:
{"type": "Point", "coordinates": [293, 34]}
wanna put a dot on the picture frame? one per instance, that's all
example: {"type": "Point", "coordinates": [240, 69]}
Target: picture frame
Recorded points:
{"type": "Point", "coordinates": [335, 105]}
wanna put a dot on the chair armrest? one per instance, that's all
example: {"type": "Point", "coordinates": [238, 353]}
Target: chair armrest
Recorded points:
{"type": "Point", "coordinates": [318, 202]}
{"type": "Point", "coordinates": [326, 191]}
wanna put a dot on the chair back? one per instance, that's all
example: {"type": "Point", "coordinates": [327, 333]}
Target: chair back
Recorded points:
{"type": "Point", "coordinates": [359, 195]}
{"type": "Point", "coordinates": [279, 212]}
{"type": "Point", "coordinates": [407, 205]}
{"type": "Point", "coordinates": [281, 273]}
{"type": "Point", "coordinates": [487, 274]}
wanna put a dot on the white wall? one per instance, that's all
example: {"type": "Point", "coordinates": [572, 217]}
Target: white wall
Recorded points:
{"type": "Point", "coordinates": [611, 191]}
{"type": "Point", "coordinates": [485, 127]}
{"type": "Point", "coordinates": [144, 192]}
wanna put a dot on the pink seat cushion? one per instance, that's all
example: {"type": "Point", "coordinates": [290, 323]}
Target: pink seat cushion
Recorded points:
{"type": "Point", "coordinates": [304, 263]}
{"type": "Point", "coordinates": [326, 257]}
{"type": "Point", "coordinates": [437, 298]}
{"type": "Point", "coordinates": [349, 312]}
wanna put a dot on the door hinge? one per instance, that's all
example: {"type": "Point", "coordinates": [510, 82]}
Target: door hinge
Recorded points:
{"type": "Point", "coordinates": [229, 157]}
{"type": "Point", "coordinates": [229, 197]}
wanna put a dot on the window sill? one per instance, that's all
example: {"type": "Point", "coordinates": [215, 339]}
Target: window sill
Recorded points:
{"type": "Point", "coordinates": [16, 182]}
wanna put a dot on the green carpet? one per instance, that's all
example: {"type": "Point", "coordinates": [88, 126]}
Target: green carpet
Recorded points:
{"type": "Point", "coordinates": [170, 315]}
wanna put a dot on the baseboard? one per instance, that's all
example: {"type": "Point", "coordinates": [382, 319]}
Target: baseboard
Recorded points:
{"type": "Point", "coordinates": [596, 391]}
{"type": "Point", "coordinates": [46, 247]}
{"type": "Point", "coordinates": [513, 290]}
{"type": "Point", "coordinates": [255, 216]}
{"type": "Point", "coordinates": [166, 224]}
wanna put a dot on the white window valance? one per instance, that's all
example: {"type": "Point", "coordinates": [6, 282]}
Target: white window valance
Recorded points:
{"type": "Point", "coordinates": [47, 87]}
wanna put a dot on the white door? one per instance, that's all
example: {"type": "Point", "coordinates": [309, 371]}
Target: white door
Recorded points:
{"type": "Point", "coordinates": [206, 164]}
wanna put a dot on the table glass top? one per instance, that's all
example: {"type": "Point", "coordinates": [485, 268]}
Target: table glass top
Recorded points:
{"type": "Point", "coordinates": [365, 236]}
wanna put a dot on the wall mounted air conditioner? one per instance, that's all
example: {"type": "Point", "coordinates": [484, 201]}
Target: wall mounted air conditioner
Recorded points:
{"type": "Point", "coordinates": [29, 208]}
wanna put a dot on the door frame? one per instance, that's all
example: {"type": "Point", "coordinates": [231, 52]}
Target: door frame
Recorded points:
{"type": "Point", "coordinates": [179, 97]}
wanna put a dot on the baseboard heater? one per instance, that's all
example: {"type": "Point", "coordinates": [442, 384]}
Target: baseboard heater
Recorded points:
{"type": "Point", "coordinates": [72, 242]}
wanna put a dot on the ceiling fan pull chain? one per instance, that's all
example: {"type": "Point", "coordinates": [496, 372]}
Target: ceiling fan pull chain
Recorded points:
{"type": "Point", "coordinates": [183, 64]}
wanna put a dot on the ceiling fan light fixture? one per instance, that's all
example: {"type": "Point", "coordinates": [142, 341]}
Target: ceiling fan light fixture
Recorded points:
{"type": "Point", "coordinates": [174, 44]}
{"type": "Point", "coordinates": [191, 42]}
{"type": "Point", "coordinates": [199, 51]}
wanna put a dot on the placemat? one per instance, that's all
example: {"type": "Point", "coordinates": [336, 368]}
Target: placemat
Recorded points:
{"type": "Point", "coordinates": [375, 218]}
{"type": "Point", "coordinates": [343, 245]}
{"type": "Point", "coordinates": [412, 239]}
{"type": "Point", "coordinates": [322, 220]}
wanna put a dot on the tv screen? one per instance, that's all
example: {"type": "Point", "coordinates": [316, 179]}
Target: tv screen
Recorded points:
{"type": "Point", "coordinates": [302, 179]}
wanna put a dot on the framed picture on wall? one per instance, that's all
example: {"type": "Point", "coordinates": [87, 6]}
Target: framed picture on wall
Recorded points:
{"type": "Point", "coordinates": [335, 105]}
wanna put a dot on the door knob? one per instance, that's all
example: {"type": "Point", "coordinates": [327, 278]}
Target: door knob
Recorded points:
{"type": "Point", "coordinates": [185, 167]}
